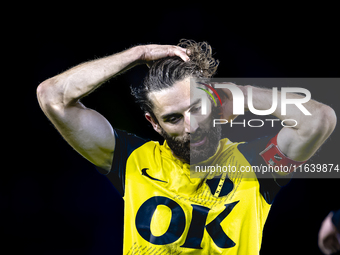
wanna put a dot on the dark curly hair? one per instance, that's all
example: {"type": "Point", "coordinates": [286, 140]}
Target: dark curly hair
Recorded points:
{"type": "Point", "coordinates": [165, 72]}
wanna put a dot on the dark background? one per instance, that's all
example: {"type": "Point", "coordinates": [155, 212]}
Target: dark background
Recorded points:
{"type": "Point", "coordinates": [52, 201]}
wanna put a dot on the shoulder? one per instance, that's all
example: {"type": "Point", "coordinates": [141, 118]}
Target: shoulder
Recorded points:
{"type": "Point", "coordinates": [251, 150]}
{"type": "Point", "coordinates": [125, 144]}
{"type": "Point", "coordinates": [128, 140]}
{"type": "Point", "coordinates": [269, 184]}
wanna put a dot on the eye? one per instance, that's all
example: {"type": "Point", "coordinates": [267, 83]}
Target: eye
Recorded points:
{"type": "Point", "coordinates": [196, 109]}
{"type": "Point", "coordinates": [173, 119]}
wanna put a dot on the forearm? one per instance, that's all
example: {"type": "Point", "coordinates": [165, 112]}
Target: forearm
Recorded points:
{"type": "Point", "coordinates": [68, 87]}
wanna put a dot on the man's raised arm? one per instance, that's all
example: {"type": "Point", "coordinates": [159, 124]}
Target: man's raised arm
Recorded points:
{"type": "Point", "coordinates": [87, 131]}
{"type": "Point", "coordinates": [308, 133]}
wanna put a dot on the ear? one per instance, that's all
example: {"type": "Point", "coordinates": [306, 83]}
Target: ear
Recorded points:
{"type": "Point", "coordinates": [154, 124]}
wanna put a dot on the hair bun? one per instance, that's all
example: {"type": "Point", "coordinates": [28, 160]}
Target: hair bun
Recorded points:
{"type": "Point", "coordinates": [200, 55]}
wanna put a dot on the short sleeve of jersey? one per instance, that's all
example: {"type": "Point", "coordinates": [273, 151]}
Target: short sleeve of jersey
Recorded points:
{"type": "Point", "coordinates": [269, 186]}
{"type": "Point", "coordinates": [126, 143]}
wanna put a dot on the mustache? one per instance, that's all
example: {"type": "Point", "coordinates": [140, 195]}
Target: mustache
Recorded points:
{"type": "Point", "coordinates": [199, 133]}
{"type": "Point", "coordinates": [192, 136]}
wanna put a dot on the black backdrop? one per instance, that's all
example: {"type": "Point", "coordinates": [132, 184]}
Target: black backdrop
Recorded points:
{"type": "Point", "coordinates": [52, 201]}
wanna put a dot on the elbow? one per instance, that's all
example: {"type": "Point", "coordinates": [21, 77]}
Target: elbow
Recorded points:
{"type": "Point", "coordinates": [330, 118]}
{"type": "Point", "coordinates": [47, 95]}
{"type": "Point", "coordinates": [44, 93]}
{"type": "Point", "coordinates": [327, 121]}
{"type": "Point", "coordinates": [41, 90]}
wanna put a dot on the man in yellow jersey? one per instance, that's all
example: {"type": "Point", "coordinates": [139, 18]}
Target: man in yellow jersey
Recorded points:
{"type": "Point", "coordinates": [167, 211]}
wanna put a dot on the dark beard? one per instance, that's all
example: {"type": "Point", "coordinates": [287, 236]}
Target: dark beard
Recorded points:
{"type": "Point", "coordinates": [208, 149]}
{"type": "Point", "coordinates": [179, 146]}
{"type": "Point", "coordinates": [194, 154]}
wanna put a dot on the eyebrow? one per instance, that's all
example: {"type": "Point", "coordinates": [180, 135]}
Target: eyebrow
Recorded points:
{"type": "Point", "coordinates": [165, 116]}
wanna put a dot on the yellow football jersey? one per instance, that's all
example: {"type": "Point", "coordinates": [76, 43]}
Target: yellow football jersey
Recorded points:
{"type": "Point", "coordinates": [167, 211]}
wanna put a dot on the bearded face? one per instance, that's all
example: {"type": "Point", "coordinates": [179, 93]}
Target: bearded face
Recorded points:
{"type": "Point", "coordinates": [205, 143]}
{"type": "Point", "coordinates": [178, 118]}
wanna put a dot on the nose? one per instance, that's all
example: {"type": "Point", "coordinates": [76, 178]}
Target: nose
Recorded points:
{"type": "Point", "coordinates": [190, 123]}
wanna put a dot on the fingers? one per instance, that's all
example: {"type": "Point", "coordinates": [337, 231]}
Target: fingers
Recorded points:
{"type": "Point", "coordinates": [167, 50]}
{"type": "Point", "coordinates": [181, 52]}
{"type": "Point", "coordinates": [153, 52]}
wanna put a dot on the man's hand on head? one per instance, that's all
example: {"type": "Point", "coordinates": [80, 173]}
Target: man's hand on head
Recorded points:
{"type": "Point", "coordinates": [153, 52]}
